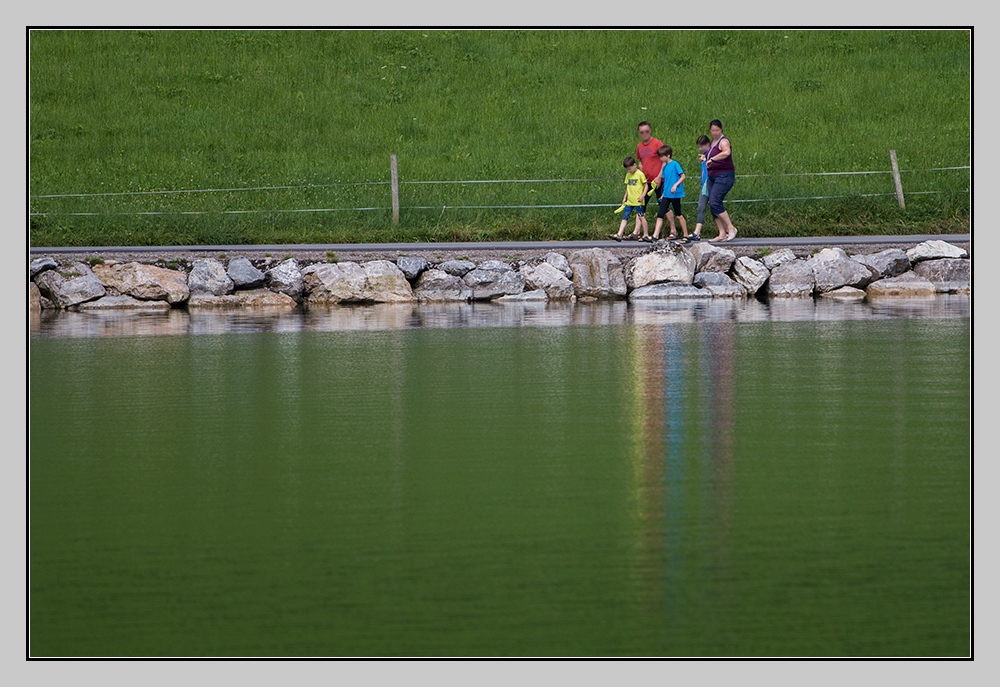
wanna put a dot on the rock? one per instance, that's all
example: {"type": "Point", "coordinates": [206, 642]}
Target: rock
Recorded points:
{"type": "Point", "coordinates": [38, 266]}
{"type": "Point", "coordinates": [782, 256]}
{"type": "Point", "coordinates": [719, 285]}
{"type": "Point", "coordinates": [244, 274]}
{"type": "Point", "coordinates": [668, 291]}
{"type": "Point", "coordinates": [265, 298]}
{"type": "Point", "coordinates": [145, 282]}
{"type": "Point", "coordinates": [844, 293]}
{"type": "Point", "coordinates": [286, 278]}
{"type": "Point", "coordinates": [905, 285]}
{"type": "Point", "coordinates": [833, 268]}
{"type": "Point", "coordinates": [487, 284]}
{"type": "Point", "coordinates": [949, 275]}
{"type": "Point", "coordinates": [525, 297]}
{"type": "Point", "coordinates": [378, 281]}
{"type": "Point", "coordinates": [411, 267]}
{"type": "Point", "coordinates": [34, 297]}
{"type": "Point", "coordinates": [69, 285]}
{"type": "Point", "coordinates": [458, 268]}
{"type": "Point", "coordinates": [749, 274]}
{"type": "Point", "coordinates": [252, 298]}
{"type": "Point", "coordinates": [887, 263]}
{"type": "Point", "coordinates": [794, 279]}
{"type": "Point", "coordinates": [438, 285]}
{"type": "Point", "coordinates": [208, 275]}
{"type": "Point", "coordinates": [668, 262]}
{"type": "Point", "coordinates": [597, 273]}
{"type": "Point", "coordinates": [494, 265]}
{"type": "Point", "coordinates": [934, 250]}
{"type": "Point", "coordinates": [711, 258]}
{"type": "Point", "coordinates": [122, 303]}
{"type": "Point", "coordinates": [560, 262]}
{"type": "Point", "coordinates": [548, 278]}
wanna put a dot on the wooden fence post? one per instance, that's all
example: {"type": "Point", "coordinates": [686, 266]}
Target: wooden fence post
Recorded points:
{"type": "Point", "coordinates": [895, 177]}
{"type": "Point", "coordinates": [395, 189]}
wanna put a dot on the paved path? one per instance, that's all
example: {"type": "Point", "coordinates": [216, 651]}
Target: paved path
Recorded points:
{"type": "Point", "coordinates": [505, 245]}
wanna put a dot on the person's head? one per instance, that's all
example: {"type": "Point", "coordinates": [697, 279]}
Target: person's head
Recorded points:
{"type": "Point", "coordinates": [665, 153]}
{"type": "Point", "coordinates": [645, 131]}
{"type": "Point", "coordinates": [703, 143]}
{"type": "Point", "coordinates": [715, 128]}
{"type": "Point", "coordinates": [629, 164]}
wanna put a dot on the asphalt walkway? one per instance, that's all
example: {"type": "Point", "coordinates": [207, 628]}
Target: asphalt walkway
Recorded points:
{"type": "Point", "coordinates": [504, 245]}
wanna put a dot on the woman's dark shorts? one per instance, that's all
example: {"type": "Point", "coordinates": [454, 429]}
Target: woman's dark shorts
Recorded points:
{"type": "Point", "coordinates": [718, 187]}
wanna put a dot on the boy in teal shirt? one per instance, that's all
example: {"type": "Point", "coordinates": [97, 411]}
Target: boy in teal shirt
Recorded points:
{"type": "Point", "coordinates": [672, 179]}
{"type": "Point", "coordinates": [633, 201]}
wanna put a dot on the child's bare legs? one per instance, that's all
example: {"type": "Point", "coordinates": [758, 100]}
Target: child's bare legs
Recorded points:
{"type": "Point", "coordinates": [659, 225]}
{"type": "Point", "coordinates": [670, 218]}
{"type": "Point", "coordinates": [621, 227]}
{"type": "Point", "coordinates": [684, 224]}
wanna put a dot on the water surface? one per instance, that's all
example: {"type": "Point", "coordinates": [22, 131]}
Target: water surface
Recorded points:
{"type": "Point", "coordinates": [667, 483]}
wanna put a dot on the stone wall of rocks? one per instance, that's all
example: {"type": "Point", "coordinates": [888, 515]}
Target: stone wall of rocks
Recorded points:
{"type": "Point", "coordinates": [665, 270]}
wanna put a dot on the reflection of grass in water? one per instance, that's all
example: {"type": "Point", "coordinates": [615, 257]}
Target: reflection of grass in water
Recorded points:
{"type": "Point", "coordinates": [130, 110]}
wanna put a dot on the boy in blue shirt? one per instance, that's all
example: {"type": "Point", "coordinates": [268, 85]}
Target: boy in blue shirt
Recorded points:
{"type": "Point", "coordinates": [671, 178]}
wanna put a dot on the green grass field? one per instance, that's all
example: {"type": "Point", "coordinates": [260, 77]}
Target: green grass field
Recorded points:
{"type": "Point", "coordinates": [127, 111]}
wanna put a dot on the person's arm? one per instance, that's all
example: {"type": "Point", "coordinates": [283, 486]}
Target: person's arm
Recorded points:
{"type": "Point", "coordinates": [724, 152]}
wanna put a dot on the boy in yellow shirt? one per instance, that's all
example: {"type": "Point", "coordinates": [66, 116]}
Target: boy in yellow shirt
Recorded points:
{"type": "Point", "coordinates": [632, 202]}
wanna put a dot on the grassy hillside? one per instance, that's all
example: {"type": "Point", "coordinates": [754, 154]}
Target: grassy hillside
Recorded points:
{"type": "Point", "coordinates": [126, 111]}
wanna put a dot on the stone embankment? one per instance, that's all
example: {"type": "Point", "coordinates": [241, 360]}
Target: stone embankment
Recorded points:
{"type": "Point", "coordinates": [666, 270]}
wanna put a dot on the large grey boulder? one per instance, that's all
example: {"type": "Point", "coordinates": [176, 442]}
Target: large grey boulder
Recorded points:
{"type": "Point", "coordinates": [286, 278]}
{"type": "Point", "coordinates": [833, 268]}
{"type": "Point", "coordinates": [457, 268]}
{"type": "Point", "coordinates": [559, 261]}
{"type": "Point", "coordinates": [487, 284]}
{"type": "Point", "coordinates": [710, 258]}
{"type": "Point", "coordinates": [949, 275]}
{"type": "Point", "coordinates": [536, 296]}
{"type": "Point", "coordinates": [750, 274]}
{"type": "Point", "coordinates": [668, 262]}
{"type": "Point", "coordinates": [122, 303]}
{"type": "Point", "coordinates": [70, 285]}
{"type": "Point", "coordinates": [794, 279]}
{"type": "Point", "coordinates": [378, 281]}
{"type": "Point", "coordinates": [886, 263]}
{"type": "Point", "coordinates": [145, 282]}
{"type": "Point", "coordinates": [411, 267]}
{"type": "Point", "coordinates": [244, 274]}
{"type": "Point", "coordinates": [597, 273]}
{"type": "Point", "coordinates": [36, 267]}
{"type": "Point", "coordinates": [905, 285]}
{"type": "Point", "coordinates": [667, 291]}
{"type": "Point", "coordinates": [719, 285]}
{"type": "Point", "coordinates": [437, 285]}
{"type": "Point", "coordinates": [934, 250]}
{"type": "Point", "coordinates": [772, 260]}
{"type": "Point", "coordinates": [548, 278]}
{"type": "Point", "coordinates": [494, 265]}
{"type": "Point", "coordinates": [208, 275]}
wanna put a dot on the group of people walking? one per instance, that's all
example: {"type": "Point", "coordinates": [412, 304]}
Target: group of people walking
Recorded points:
{"type": "Point", "coordinates": [653, 171]}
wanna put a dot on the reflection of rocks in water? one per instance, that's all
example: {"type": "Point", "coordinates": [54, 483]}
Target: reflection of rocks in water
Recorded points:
{"type": "Point", "coordinates": [385, 316]}
{"type": "Point", "coordinates": [101, 323]}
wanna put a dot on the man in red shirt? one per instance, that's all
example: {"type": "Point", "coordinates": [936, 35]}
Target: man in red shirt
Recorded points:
{"type": "Point", "coordinates": [649, 161]}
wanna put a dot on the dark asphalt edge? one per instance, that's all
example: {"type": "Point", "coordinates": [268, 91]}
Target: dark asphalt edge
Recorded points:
{"type": "Point", "coordinates": [500, 245]}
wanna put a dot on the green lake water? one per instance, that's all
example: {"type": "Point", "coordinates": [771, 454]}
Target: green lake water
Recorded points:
{"type": "Point", "coordinates": [695, 488]}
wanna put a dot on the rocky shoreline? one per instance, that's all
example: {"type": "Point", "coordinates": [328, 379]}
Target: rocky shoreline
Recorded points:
{"type": "Point", "coordinates": [662, 271]}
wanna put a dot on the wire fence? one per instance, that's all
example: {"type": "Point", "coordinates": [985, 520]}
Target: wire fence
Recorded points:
{"type": "Point", "coordinates": [445, 206]}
